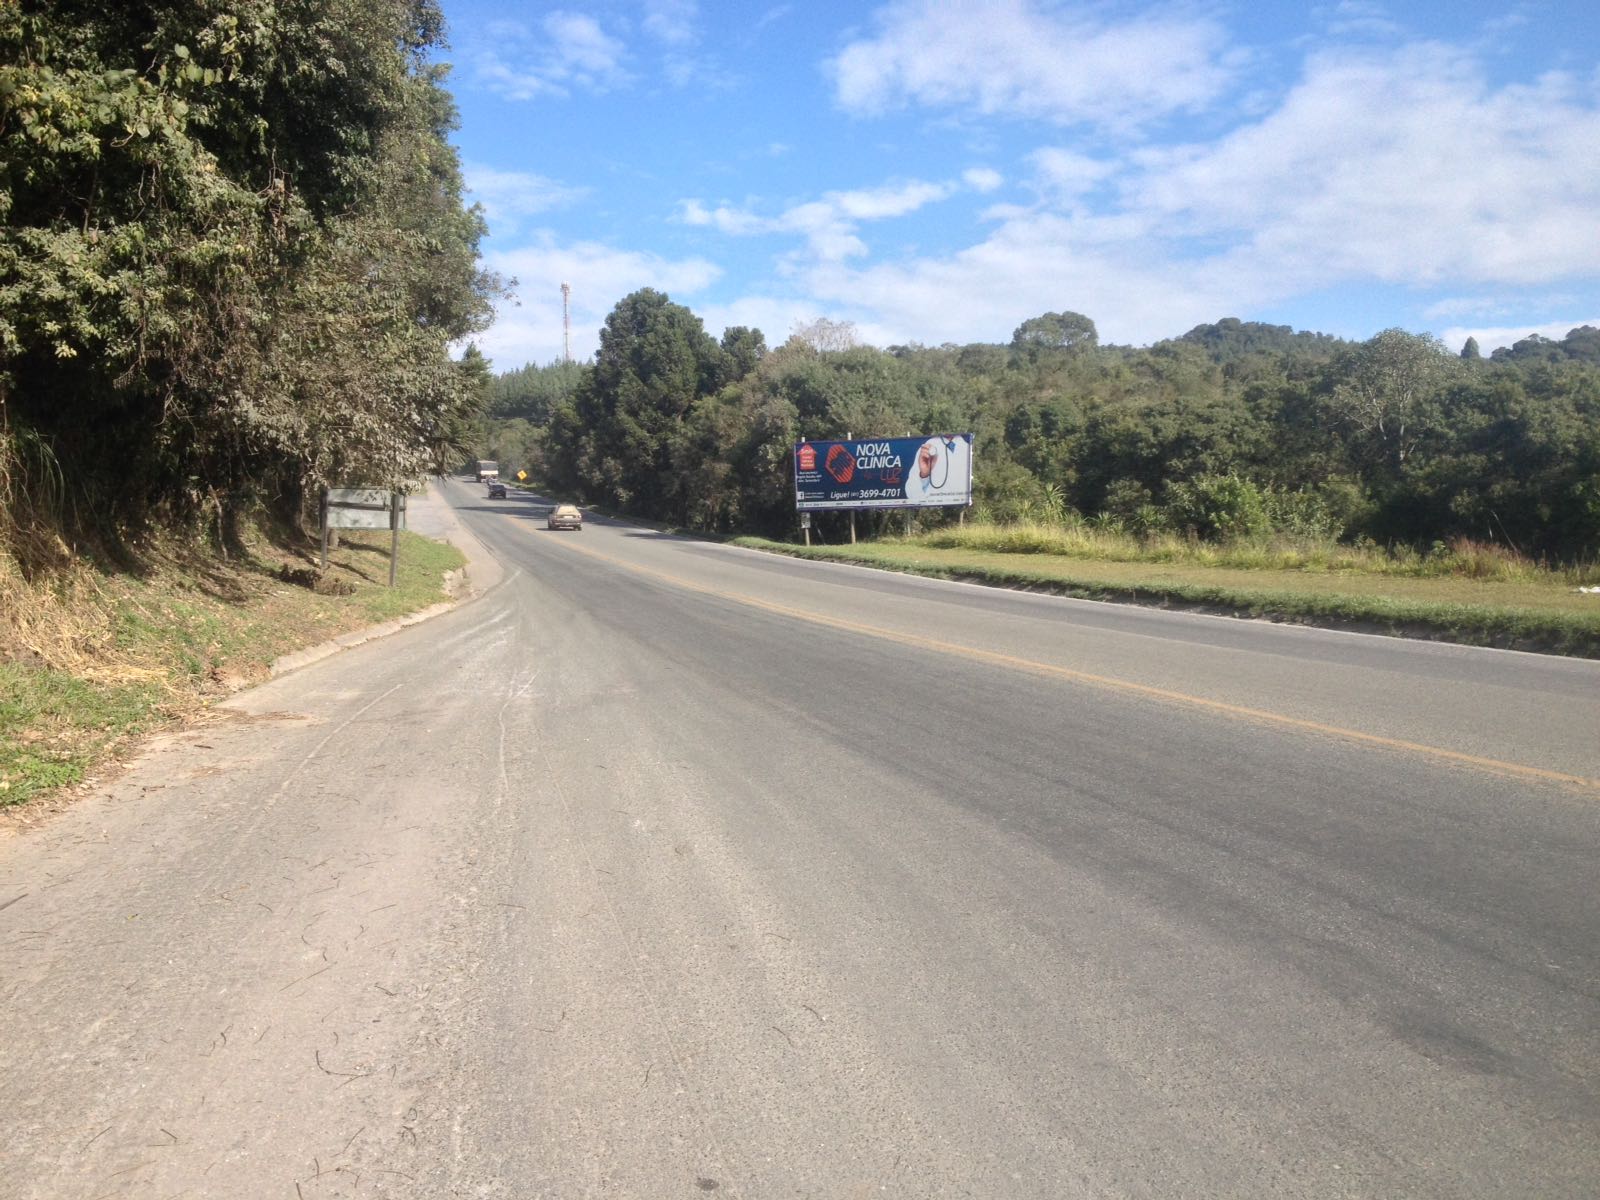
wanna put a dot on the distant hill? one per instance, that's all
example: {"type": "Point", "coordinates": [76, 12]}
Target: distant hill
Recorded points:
{"type": "Point", "coordinates": [1580, 345]}
{"type": "Point", "coordinates": [1230, 339]}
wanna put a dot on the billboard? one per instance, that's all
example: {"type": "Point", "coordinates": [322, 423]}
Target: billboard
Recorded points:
{"type": "Point", "coordinates": [932, 471]}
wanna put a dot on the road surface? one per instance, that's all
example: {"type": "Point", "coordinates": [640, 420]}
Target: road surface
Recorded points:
{"type": "Point", "coordinates": [670, 869]}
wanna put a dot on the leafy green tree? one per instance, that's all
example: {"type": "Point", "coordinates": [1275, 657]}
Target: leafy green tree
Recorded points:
{"type": "Point", "coordinates": [1583, 344]}
{"type": "Point", "coordinates": [742, 350]}
{"type": "Point", "coordinates": [1384, 390]}
{"type": "Point", "coordinates": [235, 253]}
{"type": "Point", "coordinates": [1535, 348]}
{"type": "Point", "coordinates": [1231, 342]}
{"type": "Point", "coordinates": [1069, 332]}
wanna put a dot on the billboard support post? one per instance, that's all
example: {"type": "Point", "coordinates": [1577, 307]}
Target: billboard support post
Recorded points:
{"type": "Point", "coordinates": [852, 527]}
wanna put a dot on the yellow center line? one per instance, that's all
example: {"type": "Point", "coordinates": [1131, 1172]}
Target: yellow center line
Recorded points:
{"type": "Point", "coordinates": [1052, 671]}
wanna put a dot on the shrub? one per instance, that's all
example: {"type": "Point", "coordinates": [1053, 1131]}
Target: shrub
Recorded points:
{"type": "Point", "coordinates": [1478, 560]}
{"type": "Point", "coordinates": [1219, 508]}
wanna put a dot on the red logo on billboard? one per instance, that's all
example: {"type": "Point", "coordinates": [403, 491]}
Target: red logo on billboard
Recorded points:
{"type": "Point", "coordinates": [808, 458]}
{"type": "Point", "coordinates": [841, 464]}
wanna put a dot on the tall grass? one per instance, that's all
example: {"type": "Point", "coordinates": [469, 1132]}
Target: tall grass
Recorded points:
{"type": "Point", "coordinates": [1459, 558]}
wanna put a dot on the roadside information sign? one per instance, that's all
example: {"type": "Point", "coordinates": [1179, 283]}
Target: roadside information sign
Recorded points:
{"type": "Point", "coordinates": [364, 508]}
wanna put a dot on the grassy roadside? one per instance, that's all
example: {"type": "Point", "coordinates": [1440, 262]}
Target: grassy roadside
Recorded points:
{"type": "Point", "coordinates": [93, 661]}
{"type": "Point", "coordinates": [1531, 612]}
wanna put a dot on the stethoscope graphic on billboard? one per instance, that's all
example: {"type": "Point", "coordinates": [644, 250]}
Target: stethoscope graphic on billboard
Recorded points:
{"type": "Point", "coordinates": [937, 472]}
{"type": "Point", "coordinates": [949, 453]}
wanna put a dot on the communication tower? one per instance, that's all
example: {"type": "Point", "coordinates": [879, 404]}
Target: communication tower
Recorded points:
{"type": "Point", "coordinates": [566, 322]}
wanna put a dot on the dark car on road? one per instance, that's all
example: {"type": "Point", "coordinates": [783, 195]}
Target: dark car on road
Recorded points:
{"type": "Point", "coordinates": [497, 491]}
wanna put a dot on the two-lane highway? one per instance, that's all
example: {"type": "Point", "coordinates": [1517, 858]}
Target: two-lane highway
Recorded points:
{"type": "Point", "coordinates": [668, 868]}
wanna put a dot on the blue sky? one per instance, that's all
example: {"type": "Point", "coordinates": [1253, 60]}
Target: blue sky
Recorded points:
{"type": "Point", "coordinates": [940, 172]}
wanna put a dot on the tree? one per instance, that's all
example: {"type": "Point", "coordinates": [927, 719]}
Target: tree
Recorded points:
{"type": "Point", "coordinates": [1071, 332]}
{"type": "Point", "coordinates": [1231, 340]}
{"type": "Point", "coordinates": [826, 336]}
{"type": "Point", "coordinates": [234, 255]}
{"type": "Point", "coordinates": [1383, 388]}
{"type": "Point", "coordinates": [532, 392]}
{"type": "Point", "coordinates": [743, 349]}
{"type": "Point", "coordinates": [1470, 351]}
{"type": "Point", "coordinates": [1583, 344]}
{"type": "Point", "coordinates": [628, 426]}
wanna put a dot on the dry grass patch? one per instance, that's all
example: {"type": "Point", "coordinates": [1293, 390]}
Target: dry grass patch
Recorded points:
{"type": "Point", "coordinates": [1527, 609]}
{"type": "Point", "coordinates": [91, 659]}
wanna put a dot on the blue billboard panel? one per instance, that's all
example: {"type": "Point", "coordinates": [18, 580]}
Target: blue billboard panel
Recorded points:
{"type": "Point", "coordinates": [933, 471]}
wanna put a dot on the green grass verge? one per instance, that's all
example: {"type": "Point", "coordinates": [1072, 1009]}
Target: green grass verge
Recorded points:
{"type": "Point", "coordinates": [138, 653]}
{"type": "Point", "coordinates": [1548, 616]}
{"type": "Point", "coordinates": [53, 726]}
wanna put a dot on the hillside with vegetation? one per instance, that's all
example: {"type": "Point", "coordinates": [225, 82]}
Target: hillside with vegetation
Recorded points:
{"type": "Point", "coordinates": [235, 256]}
{"type": "Point", "coordinates": [1232, 432]}
{"type": "Point", "coordinates": [234, 260]}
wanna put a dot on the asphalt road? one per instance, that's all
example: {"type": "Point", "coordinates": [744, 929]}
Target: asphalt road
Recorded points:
{"type": "Point", "coordinates": [669, 869]}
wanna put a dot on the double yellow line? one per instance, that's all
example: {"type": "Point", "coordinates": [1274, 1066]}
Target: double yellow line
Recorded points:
{"type": "Point", "coordinates": [1052, 671]}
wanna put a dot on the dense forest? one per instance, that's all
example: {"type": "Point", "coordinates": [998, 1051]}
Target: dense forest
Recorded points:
{"type": "Point", "coordinates": [1234, 429]}
{"type": "Point", "coordinates": [234, 261]}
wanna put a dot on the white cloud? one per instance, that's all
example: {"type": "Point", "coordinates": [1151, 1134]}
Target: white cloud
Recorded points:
{"type": "Point", "coordinates": [582, 45]}
{"type": "Point", "coordinates": [1404, 169]}
{"type": "Point", "coordinates": [1400, 167]}
{"type": "Point", "coordinates": [735, 222]}
{"type": "Point", "coordinates": [1031, 264]}
{"type": "Point", "coordinates": [1494, 336]}
{"type": "Point", "coordinates": [509, 196]}
{"type": "Point", "coordinates": [829, 223]}
{"type": "Point", "coordinates": [775, 316]}
{"type": "Point", "coordinates": [1018, 58]}
{"type": "Point", "coordinates": [1465, 306]}
{"type": "Point", "coordinates": [528, 328]}
{"type": "Point", "coordinates": [671, 21]}
{"type": "Point", "coordinates": [1004, 212]}
{"type": "Point", "coordinates": [776, 13]}
{"type": "Point", "coordinates": [1066, 174]}
{"type": "Point", "coordinates": [895, 200]}
{"type": "Point", "coordinates": [567, 51]}
{"type": "Point", "coordinates": [982, 179]}
{"type": "Point", "coordinates": [1357, 18]}
{"type": "Point", "coordinates": [675, 25]}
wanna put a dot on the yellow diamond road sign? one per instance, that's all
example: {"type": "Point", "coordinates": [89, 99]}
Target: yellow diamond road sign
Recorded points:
{"type": "Point", "coordinates": [522, 475]}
